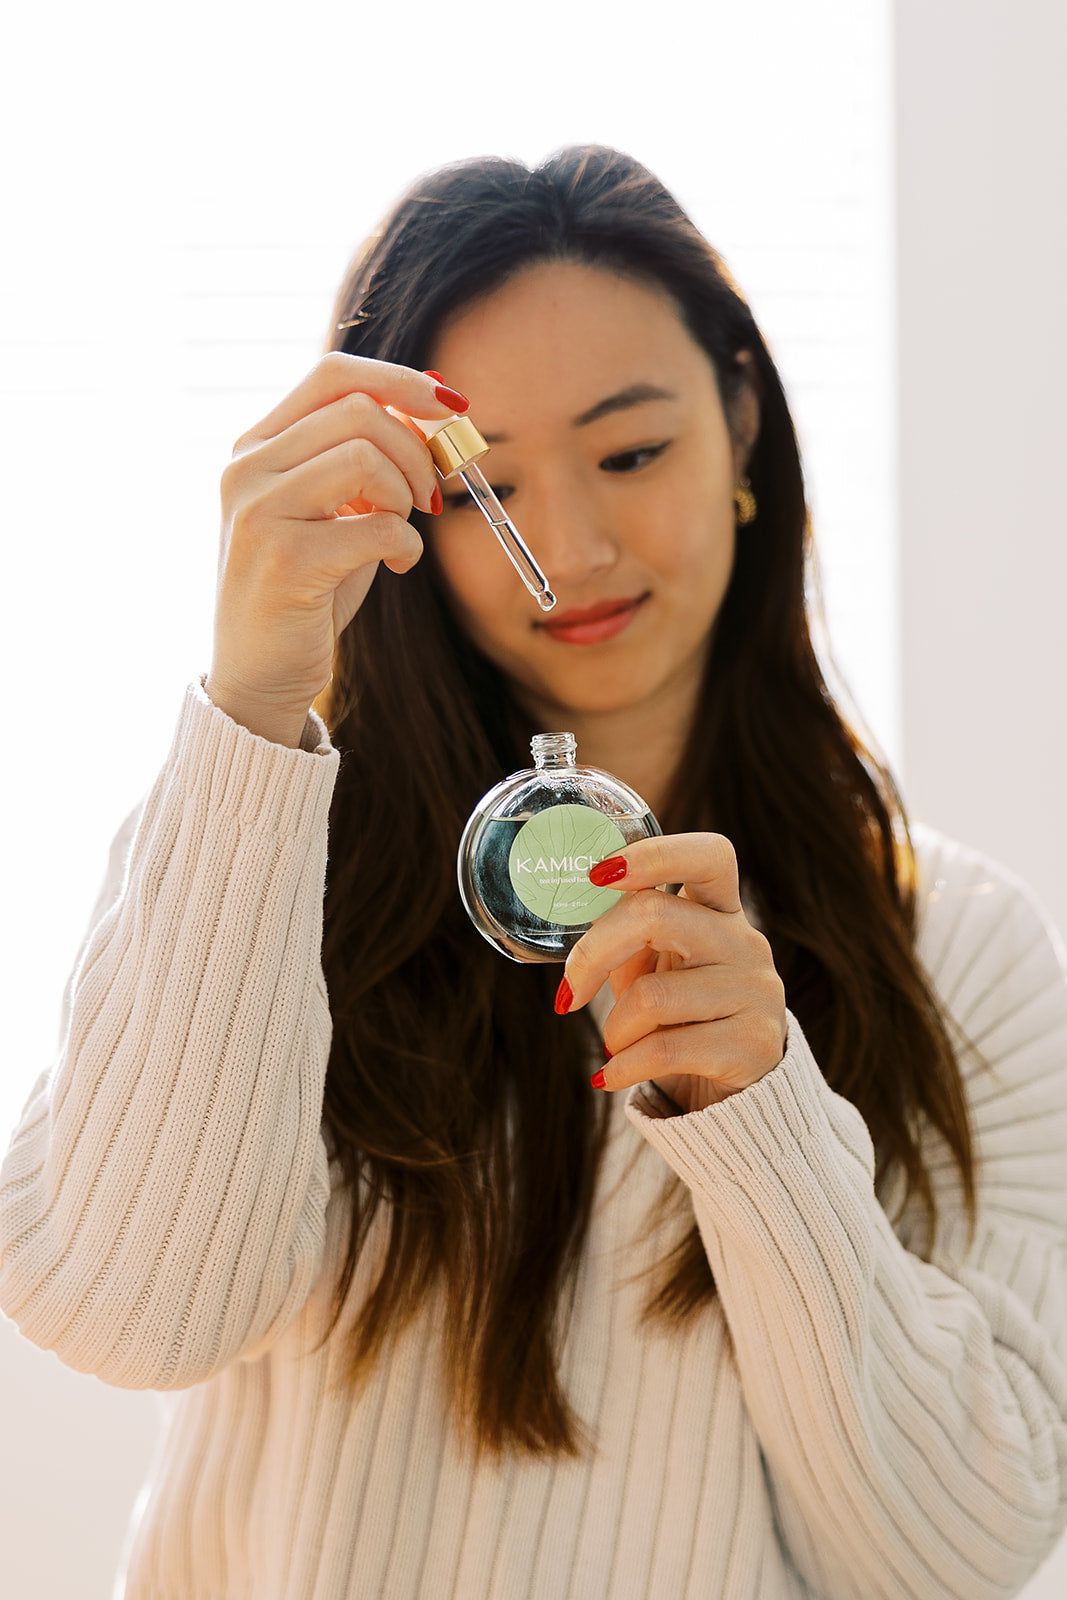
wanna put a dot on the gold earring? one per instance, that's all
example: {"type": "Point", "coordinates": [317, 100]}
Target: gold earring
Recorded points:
{"type": "Point", "coordinates": [745, 502]}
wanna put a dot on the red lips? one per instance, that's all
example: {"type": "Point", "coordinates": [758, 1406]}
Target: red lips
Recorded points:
{"type": "Point", "coordinates": [592, 624]}
{"type": "Point", "coordinates": [597, 613]}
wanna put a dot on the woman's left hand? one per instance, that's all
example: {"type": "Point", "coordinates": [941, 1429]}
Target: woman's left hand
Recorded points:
{"type": "Point", "coordinates": [699, 1007]}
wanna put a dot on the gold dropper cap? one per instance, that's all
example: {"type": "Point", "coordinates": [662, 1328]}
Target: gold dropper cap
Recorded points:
{"type": "Point", "coordinates": [455, 446]}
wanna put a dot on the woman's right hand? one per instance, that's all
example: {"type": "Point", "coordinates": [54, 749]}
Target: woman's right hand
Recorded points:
{"type": "Point", "coordinates": [316, 495]}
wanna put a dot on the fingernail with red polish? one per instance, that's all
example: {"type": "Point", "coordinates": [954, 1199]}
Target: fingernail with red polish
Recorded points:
{"type": "Point", "coordinates": [564, 996]}
{"type": "Point", "coordinates": [437, 500]}
{"type": "Point", "coordinates": [607, 1053]}
{"type": "Point", "coordinates": [436, 375]}
{"type": "Point", "coordinates": [609, 871]}
{"type": "Point", "coordinates": [451, 398]}
{"type": "Point", "coordinates": [597, 1080]}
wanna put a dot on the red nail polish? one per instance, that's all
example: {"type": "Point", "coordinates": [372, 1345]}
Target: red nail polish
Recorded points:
{"type": "Point", "coordinates": [451, 398]}
{"type": "Point", "coordinates": [564, 996]}
{"type": "Point", "coordinates": [597, 1080]}
{"type": "Point", "coordinates": [607, 1053]}
{"type": "Point", "coordinates": [437, 500]}
{"type": "Point", "coordinates": [609, 871]}
{"type": "Point", "coordinates": [436, 375]}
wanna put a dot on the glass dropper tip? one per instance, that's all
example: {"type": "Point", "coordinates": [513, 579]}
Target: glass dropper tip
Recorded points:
{"type": "Point", "coordinates": [546, 599]}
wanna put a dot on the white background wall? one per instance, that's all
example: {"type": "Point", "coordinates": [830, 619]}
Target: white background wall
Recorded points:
{"type": "Point", "coordinates": [187, 198]}
{"type": "Point", "coordinates": [982, 308]}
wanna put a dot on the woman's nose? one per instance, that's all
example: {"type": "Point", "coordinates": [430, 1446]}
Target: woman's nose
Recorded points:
{"type": "Point", "coordinates": [569, 537]}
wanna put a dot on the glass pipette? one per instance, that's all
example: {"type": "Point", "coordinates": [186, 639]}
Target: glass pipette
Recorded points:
{"type": "Point", "coordinates": [511, 540]}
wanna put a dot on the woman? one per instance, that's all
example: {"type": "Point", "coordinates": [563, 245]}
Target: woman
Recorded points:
{"type": "Point", "coordinates": [779, 1313]}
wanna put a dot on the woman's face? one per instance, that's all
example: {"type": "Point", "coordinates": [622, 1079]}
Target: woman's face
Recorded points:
{"type": "Point", "coordinates": [611, 454]}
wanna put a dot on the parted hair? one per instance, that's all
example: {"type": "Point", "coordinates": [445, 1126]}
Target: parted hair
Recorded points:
{"type": "Point", "coordinates": [455, 1098]}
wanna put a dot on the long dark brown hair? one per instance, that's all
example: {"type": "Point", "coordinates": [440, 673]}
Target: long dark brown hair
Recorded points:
{"type": "Point", "coordinates": [454, 1096]}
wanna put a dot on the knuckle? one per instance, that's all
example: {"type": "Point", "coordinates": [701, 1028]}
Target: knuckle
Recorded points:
{"type": "Point", "coordinates": [759, 1036]}
{"type": "Point", "coordinates": [663, 913]}
{"type": "Point", "coordinates": [766, 974]}
{"type": "Point", "coordinates": [359, 407]}
{"type": "Point", "coordinates": [405, 533]}
{"type": "Point", "coordinates": [766, 1036]}
{"type": "Point", "coordinates": [722, 852]}
{"type": "Point", "coordinates": [359, 454]}
{"type": "Point", "coordinates": [334, 361]}
{"type": "Point", "coordinates": [400, 539]}
{"type": "Point", "coordinates": [651, 905]}
{"type": "Point", "coordinates": [247, 520]}
{"type": "Point", "coordinates": [233, 474]}
{"type": "Point", "coordinates": [665, 1050]}
{"type": "Point", "coordinates": [649, 994]}
{"type": "Point", "coordinates": [775, 1034]}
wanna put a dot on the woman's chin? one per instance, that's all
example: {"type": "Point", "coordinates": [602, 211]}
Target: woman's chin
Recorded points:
{"type": "Point", "coordinates": [581, 696]}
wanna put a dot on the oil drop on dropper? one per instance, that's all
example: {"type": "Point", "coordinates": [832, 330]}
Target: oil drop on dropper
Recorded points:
{"type": "Point", "coordinates": [456, 445]}
{"type": "Point", "coordinates": [526, 852]}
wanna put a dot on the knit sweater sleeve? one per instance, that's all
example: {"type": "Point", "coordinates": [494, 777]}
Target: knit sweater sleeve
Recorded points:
{"type": "Point", "coordinates": [163, 1199]}
{"type": "Point", "coordinates": [911, 1404]}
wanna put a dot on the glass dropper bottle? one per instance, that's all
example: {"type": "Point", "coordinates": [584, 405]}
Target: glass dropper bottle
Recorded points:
{"type": "Point", "coordinates": [456, 446]}
{"type": "Point", "coordinates": [526, 852]}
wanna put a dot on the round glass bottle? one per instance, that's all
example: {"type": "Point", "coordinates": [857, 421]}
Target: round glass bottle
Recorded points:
{"type": "Point", "coordinates": [526, 851]}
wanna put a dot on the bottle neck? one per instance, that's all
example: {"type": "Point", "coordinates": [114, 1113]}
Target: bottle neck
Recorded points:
{"type": "Point", "coordinates": [553, 752]}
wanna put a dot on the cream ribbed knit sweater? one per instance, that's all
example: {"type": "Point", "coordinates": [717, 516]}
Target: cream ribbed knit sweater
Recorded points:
{"type": "Point", "coordinates": [846, 1420]}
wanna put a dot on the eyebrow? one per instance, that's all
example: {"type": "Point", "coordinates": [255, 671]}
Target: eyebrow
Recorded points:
{"type": "Point", "coordinates": [636, 395]}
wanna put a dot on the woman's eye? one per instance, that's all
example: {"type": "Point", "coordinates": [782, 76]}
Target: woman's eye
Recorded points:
{"type": "Point", "coordinates": [625, 461]}
{"type": "Point", "coordinates": [633, 460]}
{"type": "Point", "coordinates": [460, 499]}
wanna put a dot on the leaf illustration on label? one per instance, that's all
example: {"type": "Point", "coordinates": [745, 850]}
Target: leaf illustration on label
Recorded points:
{"type": "Point", "coordinates": [550, 860]}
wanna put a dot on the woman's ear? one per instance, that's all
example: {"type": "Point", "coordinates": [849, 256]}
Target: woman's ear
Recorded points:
{"type": "Point", "coordinates": [744, 410]}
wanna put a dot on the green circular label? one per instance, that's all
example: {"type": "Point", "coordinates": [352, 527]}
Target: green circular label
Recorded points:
{"type": "Point", "coordinates": [550, 860]}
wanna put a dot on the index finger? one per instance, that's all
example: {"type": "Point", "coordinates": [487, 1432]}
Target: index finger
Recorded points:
{"type": "Point", "coordinates": [337, 374]}
{"type": "Point", "coordinates": [705, 864]}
